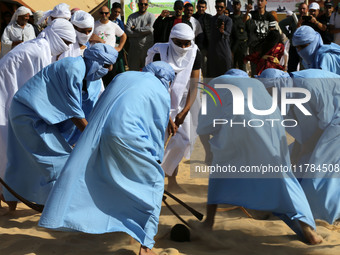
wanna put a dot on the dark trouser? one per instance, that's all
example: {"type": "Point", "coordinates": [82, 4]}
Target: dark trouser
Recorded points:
{"type": "Point", "coordinates": [240, 51]}
{"type": "Point", "coordinates": [293, 60]}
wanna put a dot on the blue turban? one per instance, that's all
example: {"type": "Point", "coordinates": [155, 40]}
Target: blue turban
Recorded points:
{"type": "Point", "coordinates": [272, 77]}
{"type": "Point", "coordinates": [304, 35]}
{"type": "Point", "coordinates": [96, 57]}
{"type": "Point", "coordinates": [237, 72]}
{"type": "Point", "coordinates": [162, 70]}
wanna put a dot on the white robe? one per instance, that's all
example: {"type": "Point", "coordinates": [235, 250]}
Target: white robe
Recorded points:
{"type": "Point", "coordinates": [180, 144]}
{"type": "Point", "coordinates": [17, 67]}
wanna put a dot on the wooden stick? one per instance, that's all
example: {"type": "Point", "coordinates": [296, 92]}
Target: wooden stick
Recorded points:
{"type": "Point", "coordinates": [173, 211]}
{"type": "Point", "coordinates": [197, 214]}
{"type": "Point", "coordinates": [167, 141]}
{"type": "Point", "coordinates": [36, 207]}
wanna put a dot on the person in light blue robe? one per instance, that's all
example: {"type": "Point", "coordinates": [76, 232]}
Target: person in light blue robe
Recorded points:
{"type": "Point", "coordinates": [241, 146]}
{"type": "Point", "coordinates": [314, 53]}
{"type": "Point", "coordinates": [113, 180]}
{"type": "Point", "coordinates": [317, 143]}
{"type": "Point", "coordinates": [271, 78]}
{"type": "Point", "coordinates": [43, 114]}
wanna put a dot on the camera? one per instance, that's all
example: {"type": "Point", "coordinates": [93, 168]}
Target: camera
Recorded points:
{"type": "Point", "coordinates": [306, 18]}
{"type": "Point", "coordinates": [219, 22]}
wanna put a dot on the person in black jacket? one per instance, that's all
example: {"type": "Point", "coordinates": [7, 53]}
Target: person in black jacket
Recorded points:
{"type": "Point", "coordinates": [202, 39]}
{"type": "Point", "coordinates": [164, 23]}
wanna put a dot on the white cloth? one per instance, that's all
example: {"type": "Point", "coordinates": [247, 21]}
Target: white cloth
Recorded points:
{"type": "Point", "coordinates": [21, 64]}
{"type": "Point", "coordinates": [59, 11]}
{"type": "Point", "coordinates": [180, 144]}
{"type": "Point", "coordinates": [196, 26]}
{"type": "Point", "coordinates": [58, 30]}
{"type": "Point", "coordinates": [80, 19]}
{"type": "Point", "coordinates": [108, 32]}
{"type": "Point", "coordinates": [335, 21]}
{"type": "Point", "coordinates": [37, 16]}
{"type": "Point", "coordinates": [14, 32]}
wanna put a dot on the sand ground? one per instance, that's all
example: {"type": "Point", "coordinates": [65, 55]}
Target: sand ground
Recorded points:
{"type": "Point", "coordinates": [234, 232]}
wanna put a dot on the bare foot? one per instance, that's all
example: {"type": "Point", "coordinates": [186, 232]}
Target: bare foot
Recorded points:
{"type": "Point", "coordinates": [145, 251]}
{"type": "Point", "coordinates": [12, 205]}
{"type": "Point", "coordinates": [311, 236]}
{"type": "Point", "coordinates": [173, 186]}
{"type": "Point", "coordinates": [200, 226]}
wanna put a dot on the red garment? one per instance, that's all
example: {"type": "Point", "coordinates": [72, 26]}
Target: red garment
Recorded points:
{"type": "Point", "coordinates": [176, 21]}
{"type": "Point", "coordinates": [270, 60]}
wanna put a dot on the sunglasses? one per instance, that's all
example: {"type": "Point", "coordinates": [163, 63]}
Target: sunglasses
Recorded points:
{"type": "Point", "coordinates": [180, 44]}
{"type": "Point", "coordinates": [219, 7]}
{"type": "Point", "coordinates": [106, 13]}
{"type": "Point", "coordinates": [145, 4]}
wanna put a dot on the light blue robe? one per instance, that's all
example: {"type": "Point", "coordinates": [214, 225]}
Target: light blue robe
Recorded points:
{"type": "Point", "coordinates": [112, 181]}
{"type": "Point", "coordinates": [43, 107]}
{"type": "Point", "coordinates": [322, 188]}
{"type": "Point", "coordinates": [316, 54]}
{"type": "Point", "coordinates": [328, 58]}
{"type": "Point", "coordinates": [89, 99]}
{"type": "Point", "coordinates": [245, 146]}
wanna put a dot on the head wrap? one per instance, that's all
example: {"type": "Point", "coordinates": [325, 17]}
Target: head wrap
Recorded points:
{"type": "Point", "coordinates": [37, 16]}
{"type": "Point", "coordinates": [55, 33]}
{"type": "Point", "coordinates": [237, 72]}
{"type": "Point", "coordinates": [304, 35]}
{"type": "Point", "coordinates": [82, 19]}
{"type": "Point", "coordinates": [182, 31]}
{"type": "Point", "coordinates": [96, 57]}
{"type": "Point", "coordinates": [272, 77]}
{"type": "Point", "coordinates": [59, 11]}
{"type": "Point", "coordinates": [162, 70]}
{"type": "Point", "coordinates": [178, 57]}
{"type": "Point", "coordinates": [22, 10]}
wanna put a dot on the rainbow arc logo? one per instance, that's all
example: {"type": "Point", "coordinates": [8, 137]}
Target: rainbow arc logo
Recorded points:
{"type": "Point", "coordinates": [209, 93]}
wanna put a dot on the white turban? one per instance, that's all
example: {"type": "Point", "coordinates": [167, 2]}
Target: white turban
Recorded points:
{"type": "Point", "coordinates": [82, 19]}
{"type": "Point", "coordinates": [59, 11]}
{"type": "Point", "coordinates": [179, 57]}
{"type": "Point", "coordinates": [58, 30]}
{"type": "Point", "coordinates": [182, 31]}
{"type": "Point", "coordinates": [20, 11]}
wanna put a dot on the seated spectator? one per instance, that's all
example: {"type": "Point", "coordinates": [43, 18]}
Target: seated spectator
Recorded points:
{"type": "Point", "coordinates": [269, 53]}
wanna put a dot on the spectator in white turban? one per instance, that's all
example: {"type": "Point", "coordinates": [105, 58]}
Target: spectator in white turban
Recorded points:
{"type": "Point", "coordinates": [17, 31]}
{"type": "Point", "coordinates": [83, 24]}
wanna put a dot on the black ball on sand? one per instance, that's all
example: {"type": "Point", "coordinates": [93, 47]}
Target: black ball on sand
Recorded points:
{"type": "Point", "coordinates": [180, 233]}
